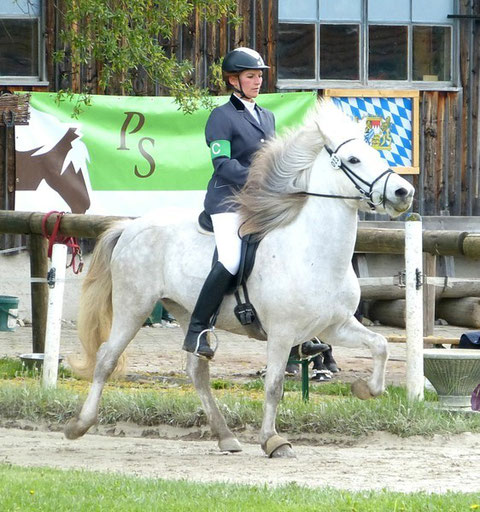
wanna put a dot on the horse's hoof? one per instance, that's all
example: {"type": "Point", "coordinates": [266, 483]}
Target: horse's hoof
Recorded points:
{"type": "Point", "coordinates": [361, 390]}
{"type": "Point", "coordinates": [278, 446]}
{"type": "Point", "coordinates": [285, 452]}
{"type": "Point", "coordinates": [73, 430]}
{"type": "Point", "coordinates": [230, 444]}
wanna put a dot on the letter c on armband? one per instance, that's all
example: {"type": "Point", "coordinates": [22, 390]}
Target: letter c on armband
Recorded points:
{"type": "Point", "coordinates": [220, 148]}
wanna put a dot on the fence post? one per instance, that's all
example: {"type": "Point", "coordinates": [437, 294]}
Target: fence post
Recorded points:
{"type": "Point", "coordinates": [414, 306]}
{"type": "Point", "coordinates": [54, 316]}
{"type": "Point", "coordinates": [39, 290]}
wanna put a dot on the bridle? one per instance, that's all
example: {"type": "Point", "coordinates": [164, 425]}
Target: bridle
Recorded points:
{"type": "Point", "coordinates": [359, 183]}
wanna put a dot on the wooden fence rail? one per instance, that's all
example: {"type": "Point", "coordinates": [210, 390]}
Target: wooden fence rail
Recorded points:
{"type": "Point", "coordinates": [369, 240]}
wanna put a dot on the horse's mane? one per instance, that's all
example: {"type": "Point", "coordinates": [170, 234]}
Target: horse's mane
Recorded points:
{"type": "Point", "coordinates": [282, 168]}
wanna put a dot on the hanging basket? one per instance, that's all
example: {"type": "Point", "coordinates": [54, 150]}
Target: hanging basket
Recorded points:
{"type": "Point", "coordinates": [14, 109]}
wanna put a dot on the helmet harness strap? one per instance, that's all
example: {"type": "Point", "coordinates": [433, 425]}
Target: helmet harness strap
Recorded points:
{"type": "Point", "coordinates": [240, 91]}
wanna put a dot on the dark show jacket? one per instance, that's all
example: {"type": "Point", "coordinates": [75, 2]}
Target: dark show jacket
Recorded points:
{"type": "Point", "coordinates": [233, 135]}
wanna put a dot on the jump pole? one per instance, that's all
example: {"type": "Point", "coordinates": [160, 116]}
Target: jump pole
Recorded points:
{"type": "Point", "coordinates": [54, 315]}
{"type": "Point", "coordinates": [414, 306]}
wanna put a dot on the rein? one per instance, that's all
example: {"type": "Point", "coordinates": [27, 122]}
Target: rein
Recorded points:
{"type": "Point", "coordinates": [357, 181]}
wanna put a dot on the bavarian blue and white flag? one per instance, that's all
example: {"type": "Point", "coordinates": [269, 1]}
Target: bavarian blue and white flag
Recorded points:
{"type": "Point", "coordinates": [388, 125]}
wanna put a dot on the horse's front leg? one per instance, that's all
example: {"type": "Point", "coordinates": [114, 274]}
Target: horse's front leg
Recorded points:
{"type": "Point", "coordinates": [273, 444]}
{"type": "Point", "coordinates": [353, 334]}
{"type": "Point", "coordinates": [199, 371]}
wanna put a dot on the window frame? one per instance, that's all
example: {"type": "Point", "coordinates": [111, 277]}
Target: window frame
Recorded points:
{"type": "Point", "coordinates": [41, 78]}
{"type": "Point", "coordinates": [364, 82]}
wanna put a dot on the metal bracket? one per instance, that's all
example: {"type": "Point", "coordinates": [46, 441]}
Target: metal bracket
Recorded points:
{"type": "Point", "coordinates": [418, 279]}
{"type": "Point", "coordinates": [401, 279]}
{"type": "Point", "coordinates": [9, 123]}
{"type": "Point", "coordinates": [51, 277]}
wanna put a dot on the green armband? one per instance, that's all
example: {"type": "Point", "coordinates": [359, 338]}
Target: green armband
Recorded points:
{"type": "Point", "coordinates": [220, 148]}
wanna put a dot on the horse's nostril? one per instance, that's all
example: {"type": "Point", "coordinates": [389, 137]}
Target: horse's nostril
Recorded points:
{"type": "Point", "coordinates": [401, 192]}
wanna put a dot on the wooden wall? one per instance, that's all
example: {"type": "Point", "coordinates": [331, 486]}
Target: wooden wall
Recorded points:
{"type": "Point", "coordinates": [199, 42]}
{"type": "Point", "coordinates": [449, 181]}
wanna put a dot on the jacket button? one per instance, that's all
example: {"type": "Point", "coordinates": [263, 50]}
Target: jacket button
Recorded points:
{"type": "Point", "coordinates": [262, 140]}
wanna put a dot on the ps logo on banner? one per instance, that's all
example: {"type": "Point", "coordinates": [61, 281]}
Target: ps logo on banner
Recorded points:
{"type": "Point", "coordinates": [141, 143]}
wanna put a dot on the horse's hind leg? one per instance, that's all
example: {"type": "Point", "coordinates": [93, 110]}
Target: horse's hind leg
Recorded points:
{"type": "Point", "coordinates": [107, 358]}
{"type": "Point", "coordinates": [353, 334]}
{"type": "Point", "coordinates": [199, 371]}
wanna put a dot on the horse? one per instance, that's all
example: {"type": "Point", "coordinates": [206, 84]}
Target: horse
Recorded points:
{"type": "Point", "coordinates": [52, 163]}
{"type": "Point", "coordinates": [301, 199]}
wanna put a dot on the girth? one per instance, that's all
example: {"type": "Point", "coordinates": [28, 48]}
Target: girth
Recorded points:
{"type": "Point", "coordinates": [244, 311]}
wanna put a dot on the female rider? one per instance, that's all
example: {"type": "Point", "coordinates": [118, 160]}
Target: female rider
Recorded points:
{"type": "Point", "coordinates": [234, 131]}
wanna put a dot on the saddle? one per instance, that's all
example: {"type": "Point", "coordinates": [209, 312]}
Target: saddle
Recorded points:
{"type": "Point", "coordinates": [244, 310]}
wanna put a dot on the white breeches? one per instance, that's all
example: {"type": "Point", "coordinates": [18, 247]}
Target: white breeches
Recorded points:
{"type": "Point", "coordinates": [229, 244]}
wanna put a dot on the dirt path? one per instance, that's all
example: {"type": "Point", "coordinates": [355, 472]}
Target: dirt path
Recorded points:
{"type": "Point", "coordinates": [238, 357]}
{"type": "Point", "coordinates": [435, 464]}
{"type": "Point", "coordinates": [380, 461]}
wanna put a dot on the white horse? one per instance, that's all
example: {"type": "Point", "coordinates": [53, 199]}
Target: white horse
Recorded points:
{"type": "Point", "coordinates": [302, 197]}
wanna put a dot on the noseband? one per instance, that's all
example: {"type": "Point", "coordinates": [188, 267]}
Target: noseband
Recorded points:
{"type": "Point", "coordinates": [359, 183]}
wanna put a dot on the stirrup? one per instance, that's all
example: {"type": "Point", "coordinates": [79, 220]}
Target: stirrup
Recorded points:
{"type": "Point", "coordinates": [214, 348]}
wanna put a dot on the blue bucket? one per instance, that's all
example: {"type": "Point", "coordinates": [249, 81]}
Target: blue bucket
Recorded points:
{"type": "Point", "coordinates": [8, 312]}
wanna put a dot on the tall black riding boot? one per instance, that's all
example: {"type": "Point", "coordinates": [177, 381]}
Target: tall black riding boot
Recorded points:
{"type": "Point", "coordinates": [308, 349]}
{"type": "Point", "coordinates": [209, 300]}
{"type": "Point", "coordinates": [329, 361]}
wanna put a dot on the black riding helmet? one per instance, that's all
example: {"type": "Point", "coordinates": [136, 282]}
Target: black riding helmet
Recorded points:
{"type": "Point", "coordinates": [242, 58]}
{"type": "Point", "coordinates": [239, 60]}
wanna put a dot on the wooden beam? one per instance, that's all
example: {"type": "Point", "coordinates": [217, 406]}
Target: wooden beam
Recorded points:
{"type": "Point", "coordinates": [433, 340]}
{"type": "Point", "coordinates": [430, 270]}
{"type": "Point", "coordinates": [85, 226]}
{"type": "Point", "coordinates": [369, 240]}
{"type": "Point", "coordinates": [464, 311]}
{"type": "Point", "coordinates": [39, 291]}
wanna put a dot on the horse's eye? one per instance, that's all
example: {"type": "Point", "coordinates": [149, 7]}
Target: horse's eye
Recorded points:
{"type": "Point", "coordinates": [353, 160]}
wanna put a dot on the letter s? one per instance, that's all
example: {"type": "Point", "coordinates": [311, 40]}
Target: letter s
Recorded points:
{"type": "Point", "coordinates": [147, 157]}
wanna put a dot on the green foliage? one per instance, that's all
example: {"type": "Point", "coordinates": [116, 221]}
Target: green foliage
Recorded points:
{"type": "Point", "coordinates": [79, 100]}
{"type": "Point", "coordinates": [342, 415]}
{"type": "Point", "coordinates": [122, 37]}
{"type": "Point", "coordinates": [34, 489]}
{"type": "Point", "coordinates": [337, 388]}
{"type": "Point", "coordinates": [221, 384]}
{"type": "Point", "coordinates": [11, 368]}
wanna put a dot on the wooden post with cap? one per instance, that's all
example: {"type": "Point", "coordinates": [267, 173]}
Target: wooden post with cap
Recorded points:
{"type": "Point", "coordinates": [414, 306]}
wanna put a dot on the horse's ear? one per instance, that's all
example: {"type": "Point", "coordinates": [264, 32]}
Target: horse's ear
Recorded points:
{"type": "Point", "coordinates": [362, 125]}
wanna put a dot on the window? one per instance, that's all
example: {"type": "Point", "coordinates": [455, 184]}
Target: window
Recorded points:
{"type": "Point", "coordinates": [21, 44]}
{"type": "Point", "coordinates": [366, 43]}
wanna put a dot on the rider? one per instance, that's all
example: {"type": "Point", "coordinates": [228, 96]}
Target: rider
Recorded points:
{"type": "Point", "coordinates": [234, 131]}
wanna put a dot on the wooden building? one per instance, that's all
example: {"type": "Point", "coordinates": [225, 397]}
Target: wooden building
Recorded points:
{"type": "Point", "coordinates": [309, 45]}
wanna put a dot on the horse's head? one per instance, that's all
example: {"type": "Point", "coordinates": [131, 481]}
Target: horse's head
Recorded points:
{"type": "Point", "coordinates": [364, 174]}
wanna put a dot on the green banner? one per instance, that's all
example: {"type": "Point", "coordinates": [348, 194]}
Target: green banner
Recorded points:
{"type": "Point", "coordinates": [148, 144]}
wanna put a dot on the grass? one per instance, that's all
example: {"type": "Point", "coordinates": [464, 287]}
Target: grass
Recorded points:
{"type": "Point", "coordinates": [12, 368]}
{"type": "Point", "coordinates": [172, 401]}
{"type": "Point", "coordinates": [41, 489]}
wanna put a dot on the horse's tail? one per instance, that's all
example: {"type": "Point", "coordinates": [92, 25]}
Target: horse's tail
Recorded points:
{"type": "Point", "coordinates": [95, 308]}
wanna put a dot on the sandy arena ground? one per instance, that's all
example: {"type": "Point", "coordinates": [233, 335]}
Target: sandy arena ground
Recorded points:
{"type": "Point", "coordinates": [435, 464]}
